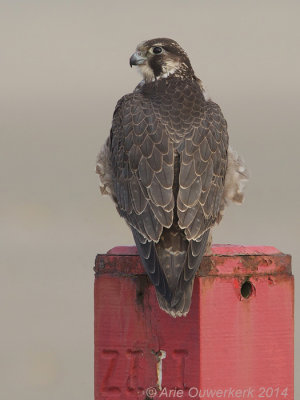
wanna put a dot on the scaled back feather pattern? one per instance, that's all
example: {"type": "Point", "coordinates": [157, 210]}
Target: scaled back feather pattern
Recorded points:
{"type": "Point", "coordinates": [169, 169]}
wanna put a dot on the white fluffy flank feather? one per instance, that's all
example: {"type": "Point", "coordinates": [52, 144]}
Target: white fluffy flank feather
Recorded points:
{"type": "Point", "coordinates": [103, 169]}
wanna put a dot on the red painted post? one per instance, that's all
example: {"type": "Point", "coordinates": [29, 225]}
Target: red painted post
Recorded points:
{"type": "Point", "coordinates": [235, 343]}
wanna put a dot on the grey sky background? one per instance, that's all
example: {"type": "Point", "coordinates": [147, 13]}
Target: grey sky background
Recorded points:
{"type": "Point", "coordinates": [64, 65]}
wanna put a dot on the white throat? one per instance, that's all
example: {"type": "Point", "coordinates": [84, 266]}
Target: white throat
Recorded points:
{"type": "Point", "coordinates": [169, 68]}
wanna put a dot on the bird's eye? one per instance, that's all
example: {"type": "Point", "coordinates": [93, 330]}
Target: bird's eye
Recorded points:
{"type": "Point", "coordinates": [157, 50]}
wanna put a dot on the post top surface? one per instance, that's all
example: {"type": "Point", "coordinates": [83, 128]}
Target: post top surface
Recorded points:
{"type": "Point", "coordinates": [217, 249]}
{"type": "Point", "coordinates": [227, 260]}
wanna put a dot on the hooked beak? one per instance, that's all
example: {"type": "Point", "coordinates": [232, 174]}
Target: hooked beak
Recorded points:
{"type": "Point", "coordinates": [137, 59]}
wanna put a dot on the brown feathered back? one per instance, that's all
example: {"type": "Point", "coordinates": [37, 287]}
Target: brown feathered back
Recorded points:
{"type": "Point", "coordinates": [168, 153]}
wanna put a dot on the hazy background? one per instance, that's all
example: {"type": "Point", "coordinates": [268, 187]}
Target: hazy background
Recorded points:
{"type": "Point", "coordinates": [63, 66]}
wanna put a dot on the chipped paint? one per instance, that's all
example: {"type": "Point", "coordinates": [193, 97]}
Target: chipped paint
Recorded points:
{"type": "Point", "coordinates": [161, 354]}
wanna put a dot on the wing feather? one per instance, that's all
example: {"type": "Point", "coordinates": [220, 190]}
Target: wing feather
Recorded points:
{"type": "Point", "coordinates": [202, 172]}
{"type": "Point", "coordinates": [142, 163]}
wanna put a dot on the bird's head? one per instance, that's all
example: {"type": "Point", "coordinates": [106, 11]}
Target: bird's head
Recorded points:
{"type": "Point", "coordinates": [160, 58]}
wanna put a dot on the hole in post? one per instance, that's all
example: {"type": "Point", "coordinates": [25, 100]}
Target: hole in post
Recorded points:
{"type": "Point", "coordinates": [247, 289]}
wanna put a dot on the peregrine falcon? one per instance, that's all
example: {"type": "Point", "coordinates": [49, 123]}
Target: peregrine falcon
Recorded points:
{"type": "Point", "coordinates": [168, 168]}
